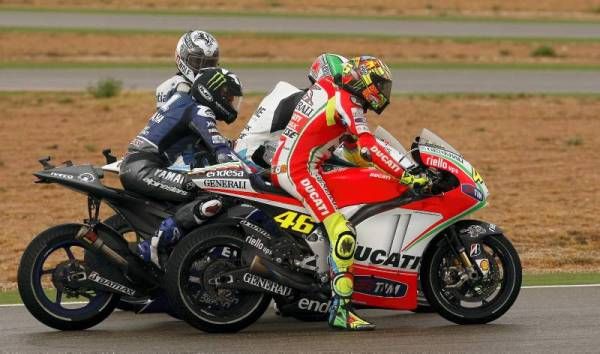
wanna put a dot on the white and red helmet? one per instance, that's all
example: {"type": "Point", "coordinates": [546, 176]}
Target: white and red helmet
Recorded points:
{"type": "Point", "coordinates": [326, 65]}
{"type": "Point", "coordinates": [196, 50]}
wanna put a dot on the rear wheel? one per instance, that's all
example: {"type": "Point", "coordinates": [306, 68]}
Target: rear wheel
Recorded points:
{"type": "Point", "coordinates": [473, 301]}
{"type": "Point", "coordinates": [190, 281]}
{"type": "Point", "coordinates": [47, 278]}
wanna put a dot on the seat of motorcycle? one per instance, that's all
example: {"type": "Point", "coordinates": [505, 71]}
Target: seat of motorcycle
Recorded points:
{"type": "Point", "coordinates": [262, 183]}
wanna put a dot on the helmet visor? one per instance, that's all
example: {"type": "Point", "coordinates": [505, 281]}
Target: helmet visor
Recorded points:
{"type": "Point", "coordinates": [381, 99]}
{"type": "Point", "coordinates": [384, 86]}
{"type": "Point", "coordinates": [197, 62]}
{"type": "Point", "coordinates": [236, 102]}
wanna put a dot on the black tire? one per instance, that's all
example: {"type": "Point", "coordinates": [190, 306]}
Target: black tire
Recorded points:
{"type": "Point", "coordinates": [422, 304]}
{"type": "Point", "coordinates": [33, 294]}
{"type": "Point", "coordinates": [504, 293]}
{"type": "Point", "coordinates": [176, 283]}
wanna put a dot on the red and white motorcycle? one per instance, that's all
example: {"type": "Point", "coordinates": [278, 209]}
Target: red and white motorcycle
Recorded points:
{"type": "Point", "coordinates": [221, 278]}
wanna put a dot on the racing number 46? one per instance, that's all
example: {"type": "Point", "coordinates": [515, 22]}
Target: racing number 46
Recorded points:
{"type": "Point", "coordinates": [295, 221]}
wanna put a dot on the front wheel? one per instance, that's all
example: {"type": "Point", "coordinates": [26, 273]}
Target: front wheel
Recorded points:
{"type": "Point", "coordinates": [193, 269]}
{"type": "Point", "coordinates": [48, 272]}
{"type": "Point", "coordinates": [473, 301]}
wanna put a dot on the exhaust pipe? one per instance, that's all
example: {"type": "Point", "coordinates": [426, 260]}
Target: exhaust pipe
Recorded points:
{"type": "Point", "coordinates": [272, 271]}
{"type": "Point", "coordinates": [90, 236]}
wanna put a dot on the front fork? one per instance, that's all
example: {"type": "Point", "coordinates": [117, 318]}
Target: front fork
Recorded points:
{"type": "Point", "coordinates": [473, 270]}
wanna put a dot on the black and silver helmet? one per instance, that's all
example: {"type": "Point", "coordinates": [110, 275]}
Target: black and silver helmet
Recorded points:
{"type": "Point", "coordinates": [220, 90]}
{"type": "Point", "coordinates": [196, 50]}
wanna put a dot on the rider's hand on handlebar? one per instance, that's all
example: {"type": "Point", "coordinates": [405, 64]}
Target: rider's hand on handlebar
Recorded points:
{"type": "Point", "coordinates": [419, 180]}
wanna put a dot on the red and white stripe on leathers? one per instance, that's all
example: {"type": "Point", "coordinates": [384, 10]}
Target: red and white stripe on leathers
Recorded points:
{"type": "Point", "coordinates": [308, 138]}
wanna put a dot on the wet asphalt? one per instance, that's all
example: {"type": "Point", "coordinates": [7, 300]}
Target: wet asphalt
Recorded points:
{"type": "Point", "coordinates": [549, 320]}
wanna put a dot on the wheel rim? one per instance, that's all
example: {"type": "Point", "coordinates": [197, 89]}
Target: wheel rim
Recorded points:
{"type": "Point", "coordinates": [64, 301]}
{"type": "Point", "coordinates": [214, 304]}
{"type": "Point", "coordinates": [482, 295]}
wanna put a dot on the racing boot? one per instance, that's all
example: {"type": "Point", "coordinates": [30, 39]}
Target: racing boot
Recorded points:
{"type": "Point", "coordinates": [342, 240]}
{"type": "Point", "coordinates": [169, 232]}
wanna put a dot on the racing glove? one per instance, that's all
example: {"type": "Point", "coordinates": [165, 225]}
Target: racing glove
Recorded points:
{"type": "Point", "coordinates": [414, 180]}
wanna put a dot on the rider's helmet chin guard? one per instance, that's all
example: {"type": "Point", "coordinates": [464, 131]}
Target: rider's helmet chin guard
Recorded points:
{"type": "Point", "coordinates": [369, 79]}
{"type": "Point", "coordinates": [326, 65]}
{"type": "Point", "coordinates": [196, 50]}
{"type": "Point", "coordinates": [220, 90]}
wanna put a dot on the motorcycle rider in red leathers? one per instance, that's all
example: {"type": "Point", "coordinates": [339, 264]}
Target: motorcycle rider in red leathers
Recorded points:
{"type": "Point", "coordinates": [332, 108]}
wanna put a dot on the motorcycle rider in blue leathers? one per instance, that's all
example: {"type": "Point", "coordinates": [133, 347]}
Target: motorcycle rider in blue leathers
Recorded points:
{"type": "Point", "coordinates": [195, 50]}
{"type": "Point", "coordinates": [186, 118]}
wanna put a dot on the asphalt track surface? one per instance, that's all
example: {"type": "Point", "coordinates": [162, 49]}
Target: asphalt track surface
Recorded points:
{"type": "Point", "coordinates": [415, 28]}
{"type": "Point", "coordinates": [261, 80]}
{"type": "Point", "coordinates": [556, 320]}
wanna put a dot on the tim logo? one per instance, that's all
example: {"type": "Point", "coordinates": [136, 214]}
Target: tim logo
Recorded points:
{"type": "Point", "coordinates": [375, 286]}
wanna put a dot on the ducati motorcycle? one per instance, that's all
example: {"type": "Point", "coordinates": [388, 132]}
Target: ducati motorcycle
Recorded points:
{"type": "Point", "coordinates": [221, 277]}
{"type": "Point", "coordinates": [72, 276]}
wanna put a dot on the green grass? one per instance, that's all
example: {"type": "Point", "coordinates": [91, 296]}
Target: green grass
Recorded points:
{"type": "Point", "coordinates": [285, 35]}
{"type": "Point", "coordinates": [544, 51]}
{"type": "Point", "coordinates": [561, 279]}
{"type": "Point", "coordinates": [12, 296]}
{"type": "Point", "coordinates": [207, 12]}
{"type": "Point", "coordinates": [575, 141]}
{"type": "Point", "coordinates": [50, 65]}
{"type": "Point", "coordinates": [380, 37]}
{"type": "Point", "coordinates": [409, 95]}
{"type": "Point", "coordinates": [9, 297]}
{"type": "Point", "coordinates": [105, 88]}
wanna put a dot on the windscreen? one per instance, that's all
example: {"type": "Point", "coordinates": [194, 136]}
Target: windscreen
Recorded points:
{"type": "Point", "coordinates": [400, 153]}
{"type": "Point", "coordinates": [427, 137]}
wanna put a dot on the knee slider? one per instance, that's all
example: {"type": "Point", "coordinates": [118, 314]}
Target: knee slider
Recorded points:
{"type": "Point", "coordinates": [345, 246]}
{"type": "Point", "coordinates": [342, 239]}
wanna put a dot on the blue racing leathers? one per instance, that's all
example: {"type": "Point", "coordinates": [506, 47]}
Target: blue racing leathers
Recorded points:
{"type": "Point", "coordinates": [179, 123]}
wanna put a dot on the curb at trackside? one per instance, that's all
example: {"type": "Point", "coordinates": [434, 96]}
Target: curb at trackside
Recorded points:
{"type": "Point", "coordinates": [523, 287]}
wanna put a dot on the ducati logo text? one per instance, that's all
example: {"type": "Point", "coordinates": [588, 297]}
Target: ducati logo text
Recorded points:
{"type": "Point", "coordinates": [312, 193]}
{"type": "Point", "coordinates": [381, 257]}
{"type": "Point", "coordinates": [390, 163]}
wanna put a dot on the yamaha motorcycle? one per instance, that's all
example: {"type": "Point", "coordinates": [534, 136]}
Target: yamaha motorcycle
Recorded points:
{"type": "Point", "coordinates": [221, 277]}
{"type": "Point", "coordinates": [72, 276]}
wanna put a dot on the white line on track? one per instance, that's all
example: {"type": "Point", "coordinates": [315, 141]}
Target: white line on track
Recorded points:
{"type": "Point", "coordinates": [66, 303]}
{"type": "Point", "coordinates": [559, 286]}
{"type": "Point", "coordinates": [523, 287]}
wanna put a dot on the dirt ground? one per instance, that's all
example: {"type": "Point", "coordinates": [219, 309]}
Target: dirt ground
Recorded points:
{"type": "Point", "coordinates": [19, 47]}
{"type": "Point", "coordinates": [538, 155]}
{"type": "Point", "coordinates": [575, 9]}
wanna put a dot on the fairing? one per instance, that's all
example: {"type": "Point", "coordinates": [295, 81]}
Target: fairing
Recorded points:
{"type": "Point", "coordinates": [390, 240]}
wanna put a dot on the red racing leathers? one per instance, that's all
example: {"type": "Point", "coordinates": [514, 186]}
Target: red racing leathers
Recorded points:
{"type": "Point", "coordinates": [321, 118]}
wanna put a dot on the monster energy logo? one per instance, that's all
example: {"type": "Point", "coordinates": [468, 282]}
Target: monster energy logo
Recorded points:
{"type": "Point", "coordinates": [216, 81]}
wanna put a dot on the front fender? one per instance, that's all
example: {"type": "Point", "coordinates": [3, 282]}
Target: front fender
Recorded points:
{"type": "Point", "coordinates": [473, 231]}
{"type": "Point", "coordinates": [468, 231]}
